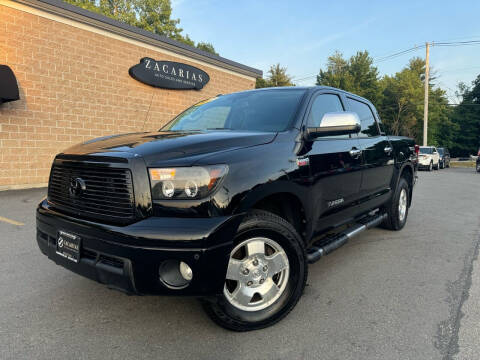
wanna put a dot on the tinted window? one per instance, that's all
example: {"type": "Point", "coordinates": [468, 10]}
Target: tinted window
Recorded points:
{"type": "Point", "coordinates": [265, 110]}
{"type": "Point", "coordinates": [426, 150]}
{"type": "Point", "coordinates": [323, 104]}
{"type": "Point", "coordinates": [369, 125]}
{"type": "Point", "coordinates": [440, 151]}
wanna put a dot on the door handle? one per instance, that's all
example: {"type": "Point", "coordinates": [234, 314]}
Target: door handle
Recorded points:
{"type": "Point", "coordinates": [355, 153]}
{"type": "Point", "coordinates": [388, 150]}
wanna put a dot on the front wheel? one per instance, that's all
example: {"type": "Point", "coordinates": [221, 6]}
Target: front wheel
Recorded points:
{"type": "Point", "coordinates": [430, 167]}
{"type": "Point", "coordinates": [397, 209]}
{"type": "Point", "coordinates": [478, 167]}
{"type": "Point", "coordinates": [266, 274]}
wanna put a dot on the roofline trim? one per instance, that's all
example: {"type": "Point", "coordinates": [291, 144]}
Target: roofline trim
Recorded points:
{"type": "Point", "coordinates": [63, 9]}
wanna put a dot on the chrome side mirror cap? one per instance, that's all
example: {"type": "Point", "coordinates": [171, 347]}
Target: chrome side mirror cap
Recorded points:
{"type": "Point", "coordinates": [336, 123]}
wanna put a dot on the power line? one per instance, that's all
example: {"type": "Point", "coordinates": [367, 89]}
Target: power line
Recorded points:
{"type": "Point", "coordinates": [407, 51]}
{"type": "Point", "coordinates": [456, 43]}
{"type": "Point", "coordinates": [463, 38]}
{"type": "Point", "coordinates": [375, 60]}
{"type": "Point", "coordinates": [456, 70]}
{"type": "Point", "coordinates": [305, 78]}
{"type": "Point", "coordinates": [397, 54]}
{"type": "Point", "coordinates": [450, 97]}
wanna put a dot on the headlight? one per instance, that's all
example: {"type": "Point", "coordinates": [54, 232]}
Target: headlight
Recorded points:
{"type": "Point", "coordinates": [194, 182]}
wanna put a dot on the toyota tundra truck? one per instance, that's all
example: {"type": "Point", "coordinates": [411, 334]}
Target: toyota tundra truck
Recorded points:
{"type": "Point", "coordinates": [230, 201]}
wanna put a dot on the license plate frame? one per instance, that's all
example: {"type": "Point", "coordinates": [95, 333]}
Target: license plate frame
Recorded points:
{"type": "Point", "coordinates": [68, 246]}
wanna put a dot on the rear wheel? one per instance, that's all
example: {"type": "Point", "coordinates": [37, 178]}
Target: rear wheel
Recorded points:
{"type": "Point", "coordinates": [397, 209]}
{"type": "Point", "coordinates": [266, 275]}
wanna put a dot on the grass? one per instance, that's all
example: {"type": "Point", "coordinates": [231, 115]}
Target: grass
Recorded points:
{"type": "Point", "coordinates": [463, 164]}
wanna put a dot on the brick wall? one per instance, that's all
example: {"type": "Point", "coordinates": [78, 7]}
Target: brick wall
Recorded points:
{"type": "Point", "coordinates": [74, 86]}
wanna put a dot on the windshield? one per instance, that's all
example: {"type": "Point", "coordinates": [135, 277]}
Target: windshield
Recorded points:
{"type": "Point", "coordinates": [266, 110]}
{"type": "Point", "coordinates": [440, 151]}
{"type": "Point", "coordinates": [426, 150]}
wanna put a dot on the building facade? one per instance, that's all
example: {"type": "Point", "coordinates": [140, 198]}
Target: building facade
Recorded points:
{"type": "Point", "coordinates": [72, 70]}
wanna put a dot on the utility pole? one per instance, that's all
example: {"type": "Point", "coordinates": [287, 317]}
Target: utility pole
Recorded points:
{"type": "Point", "coordinates": [425, 105]}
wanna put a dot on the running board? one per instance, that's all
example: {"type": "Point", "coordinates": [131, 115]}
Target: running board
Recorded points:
{"type": "Point", "coordinates": [316, 252]}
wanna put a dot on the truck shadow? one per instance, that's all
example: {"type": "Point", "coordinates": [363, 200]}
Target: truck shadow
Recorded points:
{"type": "Point", "coordinates": [86, 303]}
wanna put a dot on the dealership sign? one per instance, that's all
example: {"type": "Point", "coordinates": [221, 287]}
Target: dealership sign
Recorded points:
{"type": "Point", "coordinates": [169, 74]}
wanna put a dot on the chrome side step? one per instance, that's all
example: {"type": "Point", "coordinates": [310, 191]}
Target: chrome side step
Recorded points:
{"type": "Point", "coordinates": [316, 252]}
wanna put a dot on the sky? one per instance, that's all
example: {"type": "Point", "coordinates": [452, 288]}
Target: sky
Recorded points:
{"type": "Point", "coordinates": [302, 34]}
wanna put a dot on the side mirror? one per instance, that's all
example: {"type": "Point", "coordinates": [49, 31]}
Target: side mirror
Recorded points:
{"type": "Point", "coordinates": [336, 123]}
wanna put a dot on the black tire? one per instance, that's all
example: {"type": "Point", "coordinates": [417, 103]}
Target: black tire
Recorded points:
{"type": "Point", "coordinates": [265, 224]}
{"type": "Point", "coordinates": [393, 220]}
{"type": "Point", "coordinates": [478, 167]}
{"type": "Point", "coordinates": [437, 167]}
{"type": "Point", "coordinates": [430, 167]}
{"type": "Point", "coordinates": [442, 165]}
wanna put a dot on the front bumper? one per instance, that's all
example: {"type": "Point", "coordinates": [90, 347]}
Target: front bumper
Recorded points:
{"type": "Point", "coordinates": [128, 257]}
{"type": "Point", "coordinates": [424, 162]}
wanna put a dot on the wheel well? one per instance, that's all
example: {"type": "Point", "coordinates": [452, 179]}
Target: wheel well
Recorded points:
{"type": "Point", "coordinates": [288, 207]}
{"type": "Point", "coordinates": [407, 173]}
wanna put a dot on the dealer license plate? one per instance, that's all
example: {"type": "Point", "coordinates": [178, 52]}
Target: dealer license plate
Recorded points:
{"type": "Point", "coordinates": [68, 246]}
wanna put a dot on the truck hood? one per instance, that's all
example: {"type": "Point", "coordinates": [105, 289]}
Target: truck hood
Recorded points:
{"type": "Point", "coordinates": [165, 146]}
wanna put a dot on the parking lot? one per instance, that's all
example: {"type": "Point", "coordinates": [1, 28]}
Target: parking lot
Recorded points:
{"type": "Point", "coordinates": [412, 294]}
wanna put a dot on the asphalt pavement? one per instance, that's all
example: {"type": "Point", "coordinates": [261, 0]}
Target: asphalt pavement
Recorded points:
{"type": "Point", "coordinates": [413, 294]}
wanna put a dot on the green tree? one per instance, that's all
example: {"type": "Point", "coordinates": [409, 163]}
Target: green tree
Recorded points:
{"type": "Point", "coordinates": [261, 83]}
{"type": "Point", "coordinates": [440, 125]}
{"type": "Point", "coordinates": [401, 105]}
{"type": "Point", "coordinates": [357, 74]}
{"type": "Point", "coordinates": [400, 101]}
{"type": "Point", "coordinates": [155, 16]}
{"type": "Point", "coordinates": [150, 15]}
{"type": "Point", "coordinates": [206, 46]}
{"type": "Point", "coordinates": [277, 76]}
{"type": "Point", "coordinates": [398, 98]}
{"type": "Point", "coordinates": [120, 10]}
{"type": "Point", "coordinates": [85, 4]}
{"type": "Point", "coordinates": [466, 117]}
{"type": "Point", "coordinates": [336, 74]}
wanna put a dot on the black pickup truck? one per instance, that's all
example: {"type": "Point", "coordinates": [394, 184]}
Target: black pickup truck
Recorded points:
{"type": "Point", "coordinates": [230, 200]}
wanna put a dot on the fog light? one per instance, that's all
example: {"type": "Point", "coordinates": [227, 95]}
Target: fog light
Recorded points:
{"type": "Point", "coordinates": [186, 271]}
{"type": "Point", "coordinates": [175, 274]}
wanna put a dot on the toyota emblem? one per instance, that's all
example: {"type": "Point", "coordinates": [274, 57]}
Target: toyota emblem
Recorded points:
{"type": "Point", "coordinates": [77, 186]}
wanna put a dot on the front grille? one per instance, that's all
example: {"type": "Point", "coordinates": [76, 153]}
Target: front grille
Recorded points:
{"type": "Point", "coordinates": [107, 196]}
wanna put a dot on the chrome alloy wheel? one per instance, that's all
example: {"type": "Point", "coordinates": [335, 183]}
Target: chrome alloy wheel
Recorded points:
{"type": "Point", "coordinates": [257, 274]}
{"type": "Point", "coordinates": [402, 205]}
